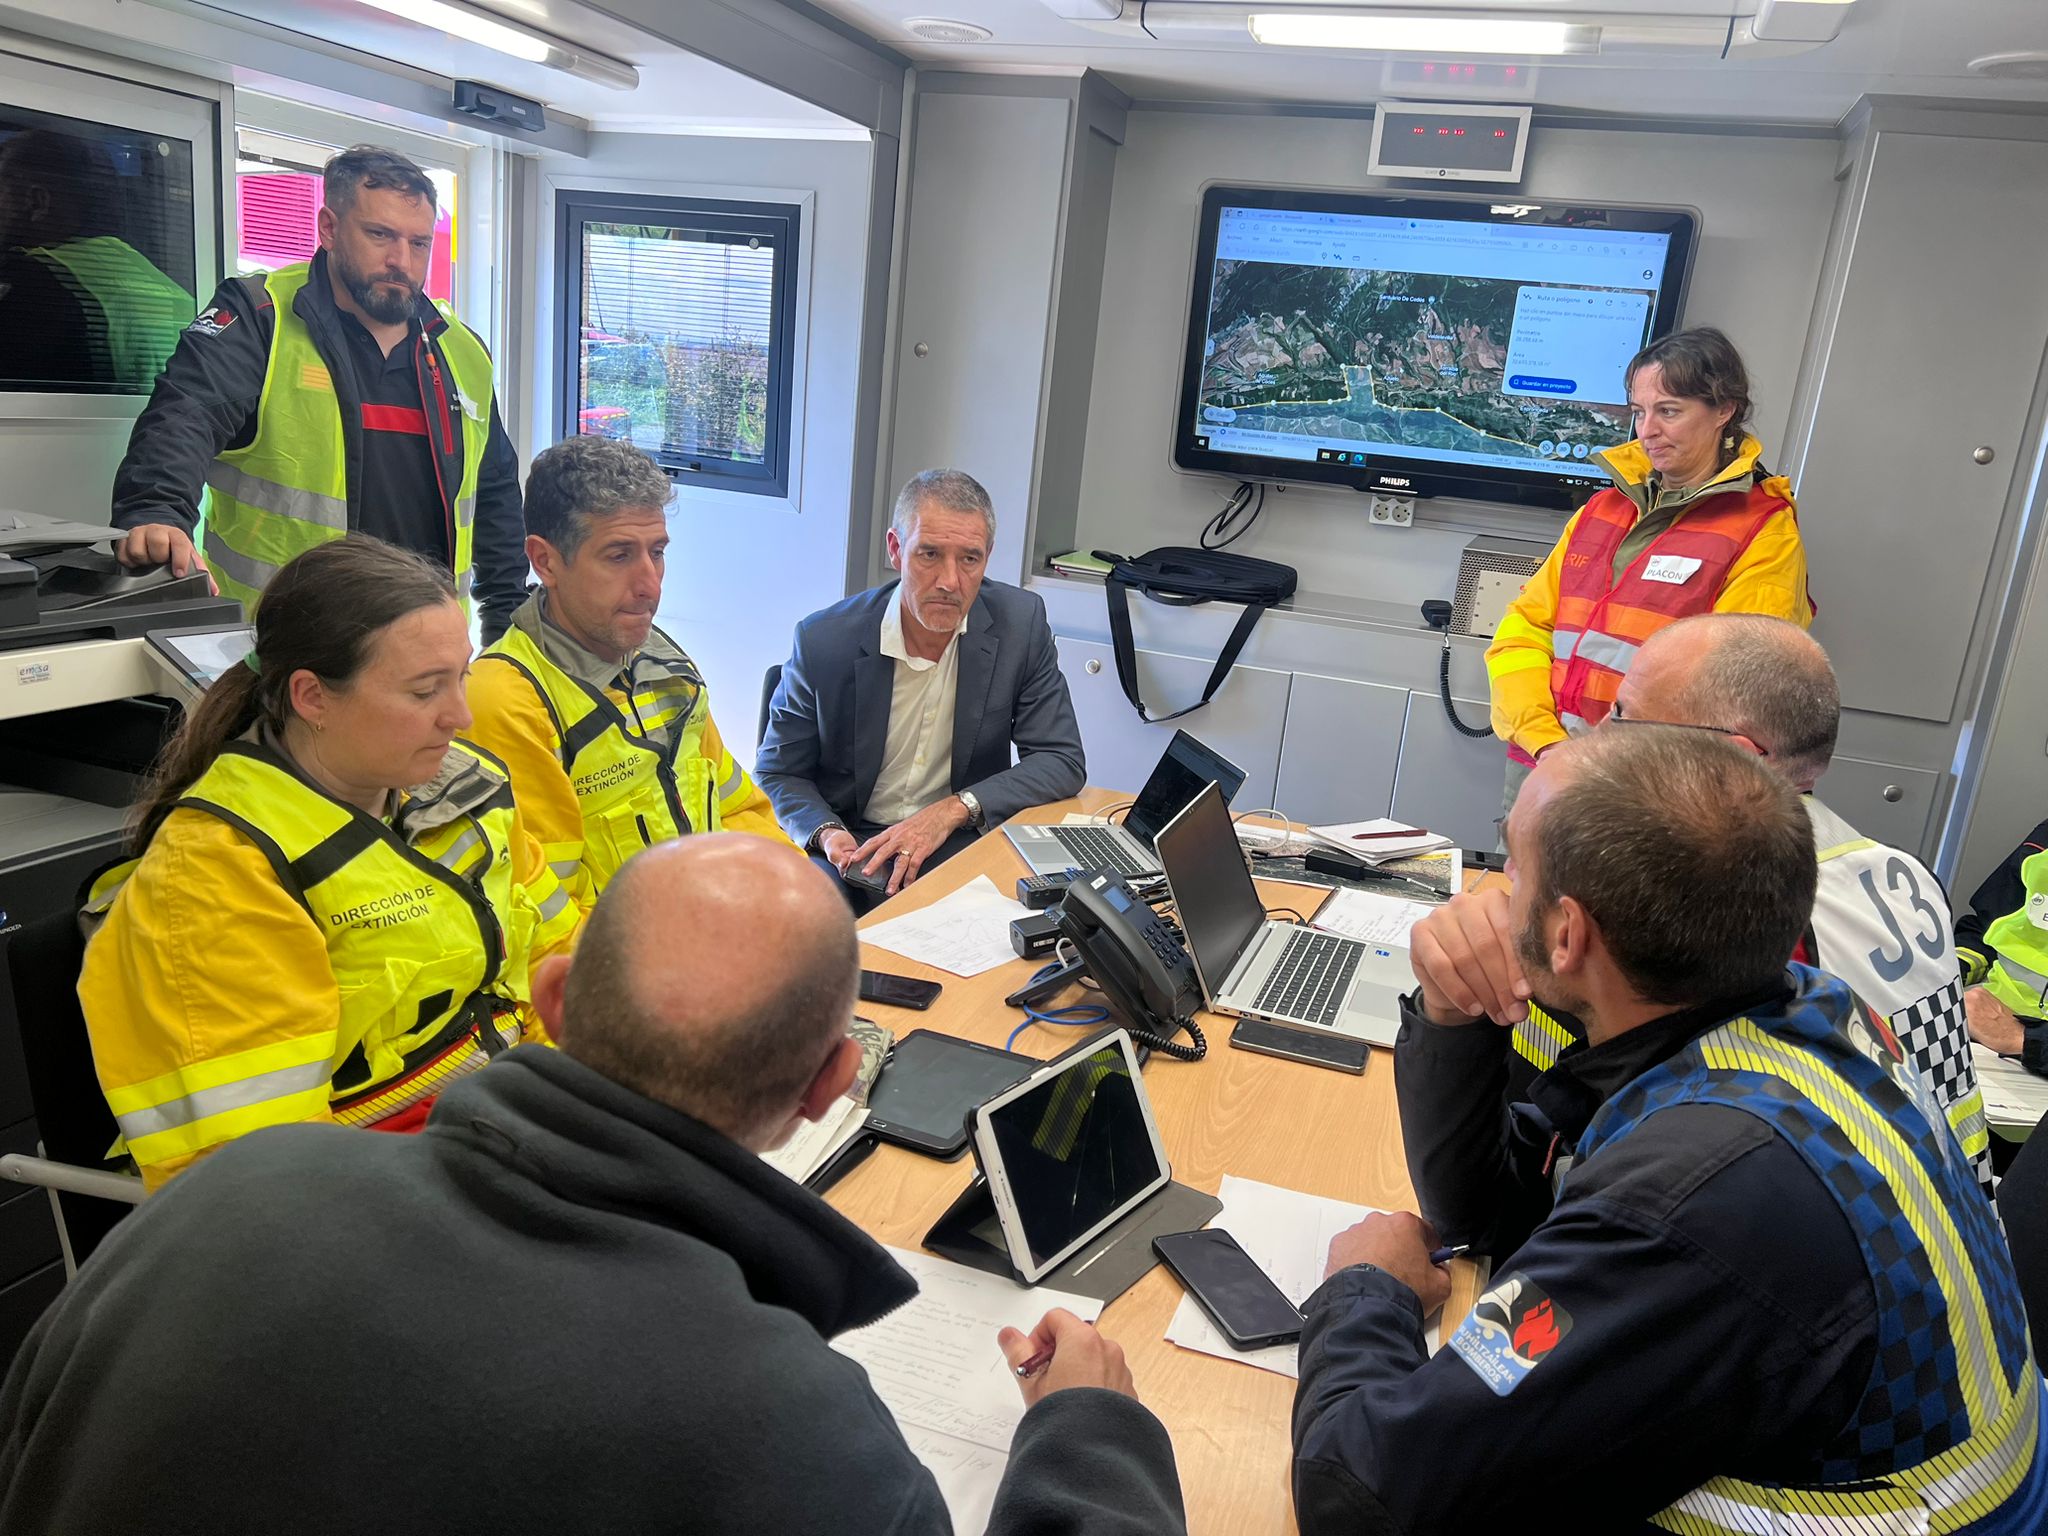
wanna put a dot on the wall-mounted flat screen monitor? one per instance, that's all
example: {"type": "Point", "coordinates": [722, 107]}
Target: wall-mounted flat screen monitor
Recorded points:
{"type": "Point", "coordinates": [1421, 344]}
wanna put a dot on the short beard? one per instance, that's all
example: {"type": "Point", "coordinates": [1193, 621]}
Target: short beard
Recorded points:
{"type": "Point", "coordinates": [1544, 986]}
{"type": "Point", "coordinates": [377, 303]}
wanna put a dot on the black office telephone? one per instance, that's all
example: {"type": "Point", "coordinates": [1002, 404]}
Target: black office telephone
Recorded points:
{"type": "Point", "coordinates": [1144, 972]}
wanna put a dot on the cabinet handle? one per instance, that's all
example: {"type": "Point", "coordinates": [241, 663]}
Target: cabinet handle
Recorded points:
{"type": "Point", "coordinates": [1893, 793]}
{"type": "Point", "coordinates": [1985, 454]}
{"type": "Point", "coordinates": [1091, 667]}
{"type": "Point", "coordinates": [922, 350]}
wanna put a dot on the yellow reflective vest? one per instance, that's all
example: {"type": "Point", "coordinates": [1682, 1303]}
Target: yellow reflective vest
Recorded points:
{"type": "Point", "coordinates": [137, 310]}
{"type": "Point", "coordinates": [287, 491]}
{"type": "Point", "coordinates": [602, 771]}
{"type": "Point", "coordinates": [276, 955]}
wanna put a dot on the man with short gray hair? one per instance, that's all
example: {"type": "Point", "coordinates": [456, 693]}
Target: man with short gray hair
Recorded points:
{"type": "Point", "coordinates": [603, 722]}
{"type": "Point", "coordinates": [890, 735]}
{"type": "Point", "coordinates": [1881, 921]}
{"type": "Point", "coordinates": [328, 397]}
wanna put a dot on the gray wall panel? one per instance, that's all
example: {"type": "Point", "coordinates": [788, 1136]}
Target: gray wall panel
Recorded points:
{"type": "Point", "coordinates": [1338, 757]}
{"type": "Point", "coordinates": [1449, 783]}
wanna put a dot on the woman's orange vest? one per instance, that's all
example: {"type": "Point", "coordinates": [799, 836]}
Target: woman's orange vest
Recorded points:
{"type": "Point", "coordinates": [1600, 625]}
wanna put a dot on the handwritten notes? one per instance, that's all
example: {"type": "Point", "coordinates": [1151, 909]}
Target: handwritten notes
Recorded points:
{"type": "Point", "coordinates": [817, 1142]}
{"type": "Point", "coordinates": [1287, 1234]}
{"type": "Point", "coordinates": [936, 1365]}
{"type": "Point", "coordinates": [1370, 916]}
{"type": "Point", "coordinates": [967, 932]}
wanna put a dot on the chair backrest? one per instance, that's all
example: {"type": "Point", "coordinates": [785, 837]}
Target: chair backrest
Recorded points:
{"type": "Point", "coordinates": [44, 958]}
{"type": "Point", "coordinates": [2023, 1204]}
{"type": "Point", "coordinates": [768, 686]}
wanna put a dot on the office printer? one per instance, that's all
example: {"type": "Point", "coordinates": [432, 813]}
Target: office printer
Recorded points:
{"type": "Point", "coordinates": [94, 661]}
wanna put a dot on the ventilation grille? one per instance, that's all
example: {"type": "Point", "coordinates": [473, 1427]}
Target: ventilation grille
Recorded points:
{"type": "Point", "coordinates": [943, 29]}
{"type": "Point", "coordinates": [279, 217]}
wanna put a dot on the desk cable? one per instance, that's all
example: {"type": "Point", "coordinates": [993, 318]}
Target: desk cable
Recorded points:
{"type": "Point", "coordinates": [1074, 1016]}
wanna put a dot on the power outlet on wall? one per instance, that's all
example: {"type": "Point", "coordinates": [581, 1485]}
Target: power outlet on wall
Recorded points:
{"type": "Point", "coordinates": [1393, 511]}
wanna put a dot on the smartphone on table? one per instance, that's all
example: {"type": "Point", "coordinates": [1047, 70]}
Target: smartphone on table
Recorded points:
{"type": "Point", "coordinates": [897, 991]}
{"type": "Point", "coordinates": [1239, 1297]}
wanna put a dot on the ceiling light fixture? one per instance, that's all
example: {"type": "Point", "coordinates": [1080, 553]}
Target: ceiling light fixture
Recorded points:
{"type": "Point", "coordinates": [512, 39]}
{"type": "Point", "coordinates": [1420, 34]}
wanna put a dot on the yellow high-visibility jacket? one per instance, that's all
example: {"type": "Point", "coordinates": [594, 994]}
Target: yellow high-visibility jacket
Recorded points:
{"type": "Point", "coordinates": [1768, 578]}
{"type": "Point", "coordinates": [239, 977]}
{"type": "Point", "coordinates": [600, 772]}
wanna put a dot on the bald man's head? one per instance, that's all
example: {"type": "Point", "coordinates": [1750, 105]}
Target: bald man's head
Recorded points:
{"type": "Point", "coordinates": [715, 975]}
{"type": "Point", "coordinates": [1759, 677]}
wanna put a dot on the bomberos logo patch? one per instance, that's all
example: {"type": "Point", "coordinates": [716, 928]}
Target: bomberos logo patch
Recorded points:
{"type": "Point", "coordinates": [1510, 1331]}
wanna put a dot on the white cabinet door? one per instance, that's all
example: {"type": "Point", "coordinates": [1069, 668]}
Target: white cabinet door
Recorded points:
{"type": "Point", "coordinates": [1343, 740]}
{"type": "Point", "coordinates": [1448, 782]}
{"type": "Point", "coordinates": [1884, 801]}
{"type": "Point", "coordinates": [1243, 721]}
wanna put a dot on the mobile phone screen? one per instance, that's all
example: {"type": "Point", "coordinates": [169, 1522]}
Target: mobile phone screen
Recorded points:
{"type": "Point", "coordinates": [897, 991]}
{"type": "Point", "coordinates": [1234, 1291]}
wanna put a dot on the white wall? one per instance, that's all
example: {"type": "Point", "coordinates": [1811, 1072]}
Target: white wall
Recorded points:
{"type": "Point", "coordinates": [1766, 205]}
{"type": "Point", "coordinates": [742, 570]}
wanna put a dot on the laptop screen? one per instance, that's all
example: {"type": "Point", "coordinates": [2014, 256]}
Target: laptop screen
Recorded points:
{"type": "Point", "coordinates": [1182, 770]}
{"type": "Point", "coordinates": [1219, 908]}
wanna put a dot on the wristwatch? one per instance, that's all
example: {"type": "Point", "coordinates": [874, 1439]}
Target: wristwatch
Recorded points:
{"type": "Point", "coordinates": [974, 816]}
{"type": "Point", "coordinates": [816, 842]}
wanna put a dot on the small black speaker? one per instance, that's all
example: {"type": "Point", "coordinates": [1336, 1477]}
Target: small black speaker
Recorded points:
{"type": "Point", "coordinates": [496, 106]}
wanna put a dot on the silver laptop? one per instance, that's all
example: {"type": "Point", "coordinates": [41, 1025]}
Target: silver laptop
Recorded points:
{"type": "Point", "coordinates": [1256, 967]}
{"type": "Point", "coordinates": [1182, 770]}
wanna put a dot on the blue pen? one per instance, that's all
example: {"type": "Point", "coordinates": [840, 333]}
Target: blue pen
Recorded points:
{"type": "Point", "coordinates": [1447, 1253]}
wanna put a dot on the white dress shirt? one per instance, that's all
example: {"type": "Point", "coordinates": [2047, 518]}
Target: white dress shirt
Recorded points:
{"type": "Point", "coordinates": [917, 754]}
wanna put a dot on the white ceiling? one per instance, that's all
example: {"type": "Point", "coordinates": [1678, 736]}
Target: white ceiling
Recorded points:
{"type": "Point", "coordinates": [1907, 47]}
{"type": "Point", "coordinates": [679, 91]}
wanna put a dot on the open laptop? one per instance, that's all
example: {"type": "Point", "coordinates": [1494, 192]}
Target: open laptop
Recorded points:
{"type": "Point", "coordinates": [1182, 771]}
{"type": "Point", "coordinates": [1256, 967]}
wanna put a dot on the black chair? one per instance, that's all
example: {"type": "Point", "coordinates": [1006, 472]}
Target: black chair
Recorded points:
{"type": "Point", "coordinates": [2023, 1203]}
{"type": "Point", "coordinates": [74, 1124]}
{"type": "Point", "coordinates": [768, 686]}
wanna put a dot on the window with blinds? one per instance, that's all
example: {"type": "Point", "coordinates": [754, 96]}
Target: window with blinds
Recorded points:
{"type": "Point", "coordinates": [676, 320]}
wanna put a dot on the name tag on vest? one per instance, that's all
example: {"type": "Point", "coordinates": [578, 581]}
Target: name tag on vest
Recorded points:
{"type": "Point", "coordinates": [1675, 570]}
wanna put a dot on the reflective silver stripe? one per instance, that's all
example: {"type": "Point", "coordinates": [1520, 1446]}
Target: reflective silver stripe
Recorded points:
{"type": "Point", "coordinates": [1575, 725]}
{"type": "Point", "coordinates": [1563, 642]}
{"type": "Point", "coordinates": [284, 500]}
{"type": "Point", "coordinates": [562, 869]}
{"type": "Point", "coordinates": [552, 907]}
{"type": "Point", "coordinates": [2020, 973]}
{"type": "Point", "coordinates": [451, 856]}
{"type": "Point", "coordinates": [732, 784]}
{"type": "Point", "coordinates": [199, 1104]}
{"type": "Point", "coordinates": [1606, 651]}
{"type": "Point", "coordinates": [465, 511]}
{"type": "Point", "coordinates": [236, 566]}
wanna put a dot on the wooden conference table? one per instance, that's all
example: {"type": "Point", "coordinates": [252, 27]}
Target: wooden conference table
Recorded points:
{"type": "Point", "coordinates": [1281, 1122]}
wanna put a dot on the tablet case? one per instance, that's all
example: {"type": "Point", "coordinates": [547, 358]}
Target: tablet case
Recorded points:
{"type": "Point", "coordinates": [970, 1233]}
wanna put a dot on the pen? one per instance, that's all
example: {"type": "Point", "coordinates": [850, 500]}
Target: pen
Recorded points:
{"type": "Point", "coordinates": [1442, 1255]}
{"type": "Point", "coordinates": [1366, 837]}
{"type": "Point", "coordinates": [1035, 1364]}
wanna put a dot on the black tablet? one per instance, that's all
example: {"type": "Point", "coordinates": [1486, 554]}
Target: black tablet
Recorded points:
{"type": "Point", "coordinates": [931, 1081]}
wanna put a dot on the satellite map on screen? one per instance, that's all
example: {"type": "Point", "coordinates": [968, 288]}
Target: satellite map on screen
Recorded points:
{"type": "Point", "coordinates": [1473, 364]}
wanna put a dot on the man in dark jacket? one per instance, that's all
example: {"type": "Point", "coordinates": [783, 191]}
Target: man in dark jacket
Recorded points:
{"type": "Point", "coordinates": [328, 398]}
{"type": "Point", "coordinates": [577, 1301]}
{"type": "Point", "coordinates": [1743, 1278]}
{"type": "Point", "coordinates": [889, 737]}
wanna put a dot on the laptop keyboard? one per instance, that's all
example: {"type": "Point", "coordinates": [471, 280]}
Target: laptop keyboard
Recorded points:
{"type": "Point", "coordinates": [1095, 848]}
{"type": "Point", "coordinates": [1310, 981]}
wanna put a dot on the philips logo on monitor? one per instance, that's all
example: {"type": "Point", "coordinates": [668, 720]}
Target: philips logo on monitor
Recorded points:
{"type": "Point", "coordinates": [1392, 482]}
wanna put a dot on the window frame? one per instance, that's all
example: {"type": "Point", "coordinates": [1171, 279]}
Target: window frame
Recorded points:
{"type": "Point", "coordinates": [575, 208]}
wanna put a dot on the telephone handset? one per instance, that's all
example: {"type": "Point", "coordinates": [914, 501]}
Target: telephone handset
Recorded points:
{"type": "Point", "coordinates": [1134, 957]}
{"type": "Point", "coordinates": [1436, 613]}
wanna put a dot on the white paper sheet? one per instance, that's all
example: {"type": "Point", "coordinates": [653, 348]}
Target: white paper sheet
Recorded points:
{"type": "Point", "coordinates": [2014, 1098]}
{"type": "Point", "coordinates": [817, 1142]}
{"type": "Point", "coordinates": [935, 1364]}
{"type": "Point", "coordinates": [1288, 1234]}
{"type": "Point", "coordinates": [1370, 916]}
{"type": "Point", "coordinates": [1345, 835]}
{"type": "Point", "coordinates": [966, 933]}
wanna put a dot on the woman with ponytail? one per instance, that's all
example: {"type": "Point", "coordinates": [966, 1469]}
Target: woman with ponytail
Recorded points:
{"type": "Point", "coordinates": [332, 908]}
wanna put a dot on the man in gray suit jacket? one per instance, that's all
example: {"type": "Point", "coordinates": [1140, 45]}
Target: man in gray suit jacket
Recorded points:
{"type": "Point", "coordinates": [889, 736]}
